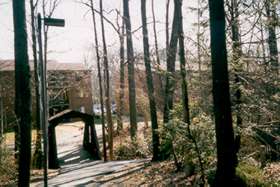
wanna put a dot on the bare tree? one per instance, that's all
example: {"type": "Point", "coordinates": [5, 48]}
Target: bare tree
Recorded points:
{"type": "Point", "coordinates": [226, 154]}
{"type": "Point", "coordinates": [198, 37]}
{"type": "Point", "coordinates": [158, 67]}
{"type": "Point", "coordinates": [150, 85]}
{"type": "Point", "coordinates": [38, 154]}
{"type": "Point", "coordinates": [270, 7]}
{"type": "Point", "coordinates": [130, 65]}
{"type": "Point", "coordinates": [107, 85]}
{"type": "Point", "coordinates": [122, 78]}
{"type": "Point", "coordinates": [233, 7]}
{"type": "Point", "coordinates": [167, 24]}
{"type": "Point", "coordinates": [171, 57]}
{"type": "Point", "coordinates": [155, 33]}
{"type": "Point", "coordinates": [22, 91]}
{"type": "Point", "coordinates": [99, 81]}
{"type": "Point", "coordinates": [184, 84]}
{"type": "Point", "coordinates": [1, 115]}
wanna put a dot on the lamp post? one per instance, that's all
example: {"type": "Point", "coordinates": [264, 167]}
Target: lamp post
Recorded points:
{"type": "Point", "coordinates": [43, 88]}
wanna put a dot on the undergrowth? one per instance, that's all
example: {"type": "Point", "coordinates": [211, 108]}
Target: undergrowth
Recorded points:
{"type": "Point", "coordinates": [8, 171]}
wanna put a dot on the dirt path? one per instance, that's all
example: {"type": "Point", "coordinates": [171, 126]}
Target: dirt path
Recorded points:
{"type": "Point", "coordinates": [77, 169]}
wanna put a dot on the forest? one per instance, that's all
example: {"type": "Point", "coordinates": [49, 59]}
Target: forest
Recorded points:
{"type": "Point", "coordinates": [183, 93]}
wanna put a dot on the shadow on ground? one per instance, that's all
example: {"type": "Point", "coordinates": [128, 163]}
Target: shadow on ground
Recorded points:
{"type": "Point", "coordinates": [78, 169]}
{"type": "Point", "coordinates": [75, 156]}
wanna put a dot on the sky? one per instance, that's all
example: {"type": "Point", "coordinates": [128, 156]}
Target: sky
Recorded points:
{"type": "Point", "coordinates": [74, 42]}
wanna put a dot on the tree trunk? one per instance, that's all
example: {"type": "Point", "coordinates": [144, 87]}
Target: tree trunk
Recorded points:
{"type": "Point", "coordinates": [1, 115]}
{"type": "Point", "coordinates": [158, 63]}
{"type": "Point", "coordinates": [122, 65]}
{"type": "Point", "coordinates": [263, 44]}
{"type": "Point", "coordinates": [22, 91]}
{"type": "Point", "coordinates": [272, 40]}
{"type": "Point", "coordinates": [101, 100]}
{"type": "Point", "coordinates": [237, 52]}
{"type": "Point", "coordinates": [107, 86]}
{"type": "Point", "coordinates": [167, 26]}
{"type": "Point", "coordinates": [198, 39]}
{"type": "Point", "coordinates": [38, 154]}
{"type": "Point", "coordinates": [1, 124]}
{"type": "Point", "coordinates": [149, 79]}
{"type": "Point", "coordinates": [170, 79]}
{"type": "Point", "coordinates": [184, 86]}
{"type": "Point", "coordinates": [130, 65]}
{"type": "Point", "coordinates": [155, 33]}
{"type": "Point", "coordinates": [226, 156]}
{"type": "Point", "coordinates": [183, 72]}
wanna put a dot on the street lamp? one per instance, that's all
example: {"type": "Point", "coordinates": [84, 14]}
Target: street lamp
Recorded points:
{"type": "Point", "coordinates": [43, 88]}
{"type": "Point", "coordinates": [54, 22]}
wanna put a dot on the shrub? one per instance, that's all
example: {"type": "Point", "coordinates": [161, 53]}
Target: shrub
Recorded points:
{"type": "Point", "coordinates": [8, 171]}
{"type": "Point", "coordinates": [252, 175]}
{"type": "Point", "coordinates": [130, 150]}
{"type": "Point", "coordinates": [177, 143]}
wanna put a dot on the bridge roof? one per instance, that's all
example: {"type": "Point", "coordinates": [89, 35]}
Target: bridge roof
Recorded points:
{"type": "Point", "coordinates": [67, 114]}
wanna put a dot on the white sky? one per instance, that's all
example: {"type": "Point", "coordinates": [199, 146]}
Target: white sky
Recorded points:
{"type": "Point", "coordinates": [72, 43]}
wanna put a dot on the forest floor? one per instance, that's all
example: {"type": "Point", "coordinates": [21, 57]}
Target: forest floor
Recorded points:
{"type": "Point", "coordinates": [77, 169]}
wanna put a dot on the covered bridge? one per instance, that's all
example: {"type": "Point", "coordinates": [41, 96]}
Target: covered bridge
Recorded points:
{"type": "Point", "coordinates": [90, 141]}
